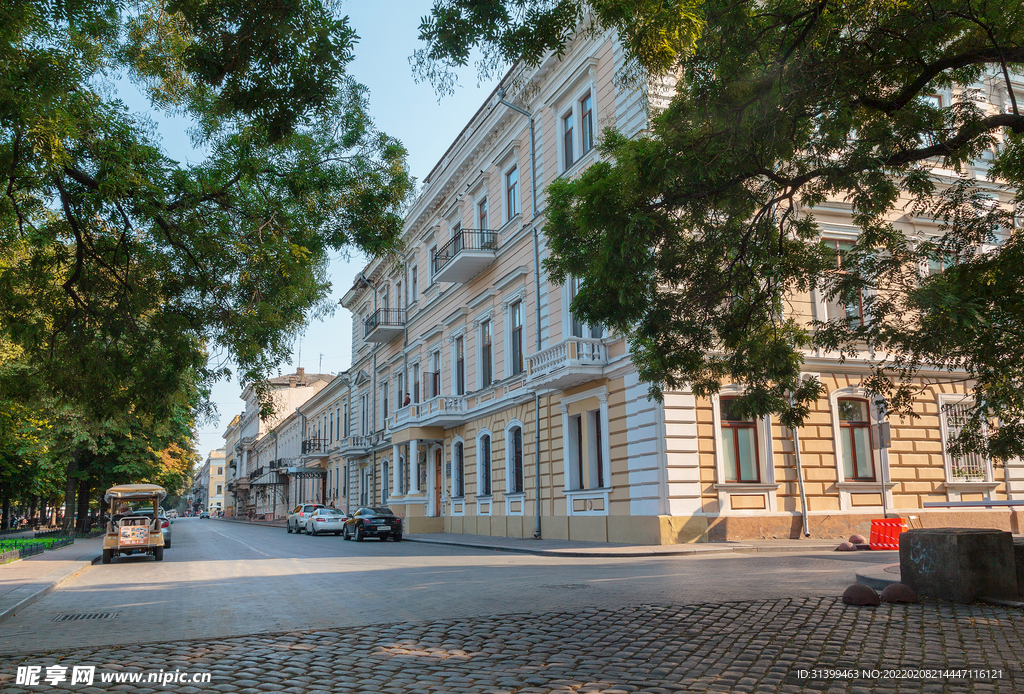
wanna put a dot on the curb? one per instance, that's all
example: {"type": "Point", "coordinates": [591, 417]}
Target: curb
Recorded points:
{"type": "Point", "coordinates": [877, 577]}
{"type": "Point", "coordinates": [682, 551]}
{"type": "Point", "coordinates": [28, 594]}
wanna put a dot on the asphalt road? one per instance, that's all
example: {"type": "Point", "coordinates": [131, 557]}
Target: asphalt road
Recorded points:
{"type": "Point", "coordinates": [224, 579]}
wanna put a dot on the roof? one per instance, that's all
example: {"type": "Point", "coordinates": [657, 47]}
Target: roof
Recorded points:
{"type": "Point", "coordinates": [134, 491]}
{"type": "Point", "coordinates": [306, 379]}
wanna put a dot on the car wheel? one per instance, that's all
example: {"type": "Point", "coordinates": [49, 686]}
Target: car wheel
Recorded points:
{"type": "Point", "coordinates": [397, 537]}
{"type": "Point", "coordinates": [167, 544]}
{"type": "Point", "coordinates": [359, 534]}
{"type": "Point", "coordinates": [158, 553]}
{"type": "Point", "coordinates": [108, 554]}
{"type": "Point", "coordinates": [289, 528]}
{"type": "Point", "coordinates": [312, 532]}
{"type": "Point", "coordinates": [345, 536]}
{"type": "Point", "coordinates": [337, 533]}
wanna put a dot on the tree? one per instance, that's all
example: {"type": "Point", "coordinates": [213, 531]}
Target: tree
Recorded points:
{"type": "Point", "coordinates": [693, 241]}
{"type": "Point", "coordinates": [113, 250]}
{"type": "Point", "coordinates": [122, 268]}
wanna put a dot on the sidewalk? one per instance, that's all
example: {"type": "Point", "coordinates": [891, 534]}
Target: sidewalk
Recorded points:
{"type": "Point", "coordinates": [25, 581]}
{"type": "Point", "coordinates": [578, 548]}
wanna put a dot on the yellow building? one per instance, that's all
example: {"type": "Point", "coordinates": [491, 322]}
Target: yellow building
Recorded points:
{"type": "Point", "coordinates": [475, 403]}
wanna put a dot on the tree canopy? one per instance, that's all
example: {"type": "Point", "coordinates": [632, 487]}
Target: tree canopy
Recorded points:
{"type": "Point", "coordinates": [123, 266]}
{"type": "Point", "coordinates": [697, 240]}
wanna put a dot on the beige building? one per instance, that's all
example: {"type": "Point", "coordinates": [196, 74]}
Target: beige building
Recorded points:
{"type": "Point", "coordinates": [477, 404]}
{"type": "Point", "coordinates": [265, 481]}
{"type": "Point", "coordinates": [208, 487]}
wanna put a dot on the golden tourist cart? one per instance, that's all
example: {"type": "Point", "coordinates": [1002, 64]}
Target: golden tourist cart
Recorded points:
{"type": "Point", "coordinates": [127, 531]}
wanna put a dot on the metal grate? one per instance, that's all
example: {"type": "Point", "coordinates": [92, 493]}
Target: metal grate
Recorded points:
{"type": "Point", "coordinates": [86, 616]}
{"type": "Point", "coordinates": [971, 466]}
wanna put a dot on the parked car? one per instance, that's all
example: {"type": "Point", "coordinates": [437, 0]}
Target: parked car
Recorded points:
{"type": "Point", "coordinates": [325, 520]}
{"type": "Point", "coordinates": [379, 521]}
{"type": "Point", "coordinates": [204, 514]}
{"type": "Point", "coordinates": [300, 514]}
{"type": "Point", "coordinates": [172, 514]}
{"type": "Point", "coordinates": [165, 523]}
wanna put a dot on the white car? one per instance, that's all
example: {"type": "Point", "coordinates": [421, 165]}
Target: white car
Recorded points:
{"type": "Point", "coordinates": [326, 520]}
{"type": "Point", "coordinates": [298, 517]}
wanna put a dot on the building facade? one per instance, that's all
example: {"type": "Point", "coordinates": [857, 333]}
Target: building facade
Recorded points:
{"type": "Point", "coordinates": [476, 403]}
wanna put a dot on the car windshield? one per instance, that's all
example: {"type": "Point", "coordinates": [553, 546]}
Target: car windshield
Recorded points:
{"type": "Point", "coordinates": [383, 511]}
{"type": "Point", "coordinates": [332, 512]}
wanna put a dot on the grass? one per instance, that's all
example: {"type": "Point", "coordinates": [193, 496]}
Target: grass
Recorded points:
{"type": "Point", "coordinates": [15, 543]}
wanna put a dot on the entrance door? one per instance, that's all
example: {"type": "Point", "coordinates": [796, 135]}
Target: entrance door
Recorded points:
{"type": "Point", "coordinates": [437, 482]}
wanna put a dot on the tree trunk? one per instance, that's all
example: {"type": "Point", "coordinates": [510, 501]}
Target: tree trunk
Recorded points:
{"type": "Point", "coordinates": [33, 508]}
{"type": "Point", "coordinates": [82, 525]}
{"type": "Point", "coordinates": [6, 510]}
{"type": "Point", "coordinates": [70, 485]}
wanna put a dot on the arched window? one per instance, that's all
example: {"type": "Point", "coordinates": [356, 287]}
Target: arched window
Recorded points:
{"type": "Point", "coordinates": [855, 439]}
{"type": "Point", "coordinates": [483, 454]}
{"type": "Point", "coordinates": [740, 449]}
{"type": "Point", "coordinates": [459, 473]}
{"type": "Point", "coordinates": [515, 485]}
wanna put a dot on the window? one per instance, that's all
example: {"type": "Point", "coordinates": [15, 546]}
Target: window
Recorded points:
{"type": "Point", "coordinates": [219, 488]}
{"type": "Point", "coordinates": [344, 482]}
{"type": "Point", "coordinates": [435, 375]}
{"type": "Point", "coordinates": [416, 383]}
{"type": "Point", "coordinates": [459, 470]}
{"type": "Point", "coordinates": [483, 455]}
{"type": "Point", "coordinates": [739, 445]}
{"type": "Point", "coordinates": [516, 317]}
{"type": "Point", "coordinates": [460, 365]}
{"type": "Point", "coordinates": [567, 154]}
{"type": "Point", "coordinates": [835, 309]}
{"type": "Point", "coordinates": [481, 215]}
{"type": "Point", "coordinates": [579, 328]}
{"type": "Point", "coordinates": [385, 479]}
{"type": "Point", "coordinates": [515, 483]}
{"type": "Point", "coordinates": [587, 123]}
{"type": "Point", "coordinates": [855, 439]}
{"type": "Point", "coordinates": [364, 414]}
{"type": "Point", "coordinates": [971, 467]}
{"type": "Point", "coordinates": [486, 367]}
{"type": "Point", "coordinates": [384, 402]}
{"type": "Point", "coordinates": [512, 193]}
{"type": "Point", "coordinates": [220, 471]}
{"type": "Point", "coordinates": [330, 430]}
{"type": "Point", "coordinates": [576, 422]}
{"type": "Point", "coordinates": [344, 426]}
{"type": "Point", "coordinates": [414, 283]}
{"type": "Point", "coordinates": [401, 392]}
{"type": "Point", "coordinates": [595, 420]}
{"type": "Point", "coordinates": [433, 262]}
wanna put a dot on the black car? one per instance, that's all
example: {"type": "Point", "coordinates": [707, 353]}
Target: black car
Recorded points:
{"type": "Point", "coordinates": [378, 521]}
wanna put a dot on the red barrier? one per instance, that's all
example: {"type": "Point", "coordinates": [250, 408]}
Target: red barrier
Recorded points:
{"type": "Point", "coordinates": [885, 533]}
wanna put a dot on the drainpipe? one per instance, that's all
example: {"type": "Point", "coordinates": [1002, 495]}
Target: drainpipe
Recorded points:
{"type": "Point", "coordinates": [800, 474]}
{"type": "Point", "coordinates": [536, 277]}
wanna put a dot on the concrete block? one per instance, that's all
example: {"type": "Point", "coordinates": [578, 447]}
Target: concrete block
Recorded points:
{"type": "Point", "coordinates": [959, 564]}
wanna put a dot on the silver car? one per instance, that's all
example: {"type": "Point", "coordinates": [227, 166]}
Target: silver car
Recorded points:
{"type": "Point", "coordinates": [298, 517]}
{"type": "Point", "coordinates": [326, 520]}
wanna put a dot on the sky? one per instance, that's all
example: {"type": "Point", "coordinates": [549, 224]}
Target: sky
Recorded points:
{"type": "Point", "coordinates": [401, 108]}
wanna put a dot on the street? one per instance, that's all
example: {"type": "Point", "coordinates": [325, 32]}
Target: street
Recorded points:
{"type": "Point", "coordinates": [257, 607]}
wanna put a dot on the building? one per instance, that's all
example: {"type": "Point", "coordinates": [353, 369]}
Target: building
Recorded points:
{"type": "Point", "coordinates": [208, 485]}
{"type": "Point", "coordinates": [259, 482]}
{"type": "Point", "coordinates": [232, 437]}
{"type": "Point", "coordinates": [476, 403]}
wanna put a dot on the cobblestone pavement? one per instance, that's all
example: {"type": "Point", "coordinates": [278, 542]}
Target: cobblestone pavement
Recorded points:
{"type": "Point", "coordinates": [757, 646]}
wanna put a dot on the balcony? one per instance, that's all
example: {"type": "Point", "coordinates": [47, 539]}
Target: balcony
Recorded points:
{"type": "Point", "coordinates": [316, 448]}
{"type": "Point", "coordinates": [567, 364]}
{"type": "Point", "coordinates": [354, 446]}
{"type": "Point", "coordinates": [464, 257]}
{"type": "Point", "coordinates": [384, 325]}
{"type": "Point", "coordinates": [444, 410]}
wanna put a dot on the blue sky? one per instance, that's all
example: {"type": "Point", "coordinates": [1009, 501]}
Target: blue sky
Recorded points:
{"type": "Point", "coordinates": [411, 112]}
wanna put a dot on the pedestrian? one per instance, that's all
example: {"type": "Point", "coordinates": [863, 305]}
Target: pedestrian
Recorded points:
{"type": "Point", "coordinates": [250, 515]}
{"type": "Point", "coordinates": [407, 400]}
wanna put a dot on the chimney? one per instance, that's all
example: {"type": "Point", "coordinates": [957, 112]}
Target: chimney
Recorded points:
{"type": "Point", "coordinates": [301, 374]}
{"type": "Point", "coordinates": [291, 381]}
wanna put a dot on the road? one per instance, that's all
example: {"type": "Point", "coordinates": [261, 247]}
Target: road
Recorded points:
{"type": "Point", "coordinates": [222, 578]}
{"type": "Point", "coordinates": [256, 610]}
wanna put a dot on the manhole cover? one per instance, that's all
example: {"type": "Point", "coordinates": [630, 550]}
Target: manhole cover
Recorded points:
{"type": "Point", "coordinates": [86, 616]}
